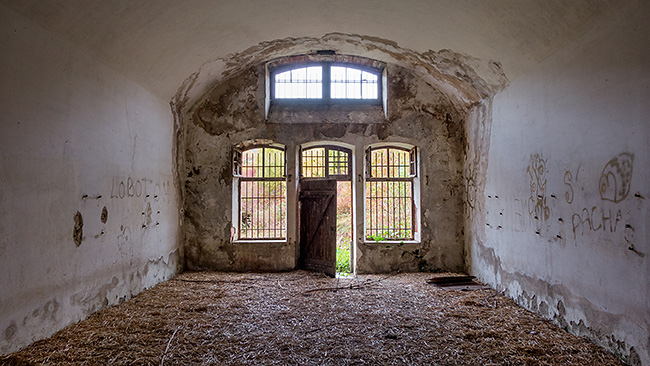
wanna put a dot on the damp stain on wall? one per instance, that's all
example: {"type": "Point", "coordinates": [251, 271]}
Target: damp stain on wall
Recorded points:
{"type": "Point", "coordinates": [104, 215]}
{"type": "Point", "coordinates": [78, 231]}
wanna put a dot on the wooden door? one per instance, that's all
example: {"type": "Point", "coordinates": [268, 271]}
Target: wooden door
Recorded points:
{"type": "Point", "coordinates": [317, 200]}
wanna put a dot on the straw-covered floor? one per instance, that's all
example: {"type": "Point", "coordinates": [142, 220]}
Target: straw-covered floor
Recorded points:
{"type": "Point", "coordinates": [302, 318]}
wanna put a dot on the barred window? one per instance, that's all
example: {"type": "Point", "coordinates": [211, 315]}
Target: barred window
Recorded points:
{"type": "Point", "coordinates": [353, 83]}
{"type": "Point", "coordinates": [262, 189]}
{"type": "Point", "coordinates": [326, 82]}
{"type": "Point", "coordinates": [300, 83]}
{"type": "Point", "coordinates": [326, 162]}
{"type": "Point", "coordinates": [390, 211]}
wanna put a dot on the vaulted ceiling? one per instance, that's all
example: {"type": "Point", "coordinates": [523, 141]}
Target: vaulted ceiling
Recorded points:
{"type": "Point", "coordinates": [160, 43]}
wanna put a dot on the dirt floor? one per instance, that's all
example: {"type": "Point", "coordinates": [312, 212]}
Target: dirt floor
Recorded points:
{"type": "Point", "coordinates": [303, 318]}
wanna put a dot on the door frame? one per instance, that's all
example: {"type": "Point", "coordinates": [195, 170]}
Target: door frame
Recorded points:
{"type": "Point", "coordinates": [356, 188]}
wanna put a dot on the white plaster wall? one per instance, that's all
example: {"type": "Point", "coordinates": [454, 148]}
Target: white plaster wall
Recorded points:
{"type": "Point", "coordinates": [547, 234]}
{"type": "Point", "coordinates": [163, 42]}
{"type": "Point", "coordinates": [76, 136]}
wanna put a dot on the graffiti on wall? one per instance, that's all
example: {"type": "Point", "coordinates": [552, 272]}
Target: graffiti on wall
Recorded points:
{"type": "Point", "coordinates": [568, 181]}
{"type": "Point", "coordinates": [471, 190]}
{"type": "Point", "coordinates": [537, 171]}
{"type": "Point", "coordinates": [143, 187]}
{"type": "Point", "coordinates": [614, 182]}
{"type": "Point", "coordinates": [151, 193]}
{"type": "Point", "coordinates": [614, 186]}
{"type": "Point", "coordinates": [595, 219]}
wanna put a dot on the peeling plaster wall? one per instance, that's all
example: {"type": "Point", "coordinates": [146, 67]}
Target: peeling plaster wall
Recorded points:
{"type": "Point", "coordinates": [463, 79]}
{"type": "Point", "coordinates": [234, 111]}
{"type": "Point", "coordinates": [88, 204]}
{"type": "Point", "coordinates": [561, 221]}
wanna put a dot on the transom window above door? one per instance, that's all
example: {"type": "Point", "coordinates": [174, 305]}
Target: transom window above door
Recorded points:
{"type": "Point", "coordinates": [326, 162]}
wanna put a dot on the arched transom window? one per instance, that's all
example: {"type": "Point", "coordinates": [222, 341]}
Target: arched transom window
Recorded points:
{"type": "Point", "coordinates": [326, 82]}
{"type": "Point", "coordinates": [326, 162]}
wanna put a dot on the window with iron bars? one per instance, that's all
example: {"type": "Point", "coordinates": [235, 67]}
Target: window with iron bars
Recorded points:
{"type": "Point", "coordinates": [326, 162]}
{"type": "Point", "coordinates": [262, 189]}
{"type": "Point", "coordinates": [389, 191]}
{"type": "Point", "coordinates": [326, 82]}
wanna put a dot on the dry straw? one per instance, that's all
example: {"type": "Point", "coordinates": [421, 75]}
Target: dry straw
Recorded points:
{"type": "Point", "coordinates": [302, 318]}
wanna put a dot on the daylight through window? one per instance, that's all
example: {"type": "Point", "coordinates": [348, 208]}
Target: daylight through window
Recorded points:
{"type": "Point", "coordinates": [326, 82]}
{"type": "Point", "coordinates": [389, 193]}
{"type": "Point", "coordinates": [262, 192]}
{"type": "Point", "coordinates": [326, 162]}
{"type": "Point", "coordinates": [300, 83]}
{"type": "Point", "coordinates": [351, 83]}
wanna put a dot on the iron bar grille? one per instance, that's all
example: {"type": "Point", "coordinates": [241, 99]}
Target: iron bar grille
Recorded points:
{"type": "Point", "coordinates": [325, 162]}
{"type": "Point", "coordinates": [389, 214]}
{"type": "Point", "coordinates": [339, 162]}
{"type": "Point", "coordinates": [391, 163]}
{"type": "Point", "coordinates": [389, 194]}
{"type": "Point", "coordinates": [313, 162]}
{"type": "Point", "coordinates": [352, 83]}
{"type": "Point", "coordinates": [262, 190]}
{"type": "Point", "coordinates": [300, 83]}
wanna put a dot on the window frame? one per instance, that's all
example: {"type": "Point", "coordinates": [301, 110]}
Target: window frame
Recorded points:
{"type": "Point", "coordinates": [238, 178]}
{"type": "Point", "coordinates": [413, 178]}
{"type": "Point", "coordinates": [342, 177]}
{"type": "Point", "coordinates": [326, 98]}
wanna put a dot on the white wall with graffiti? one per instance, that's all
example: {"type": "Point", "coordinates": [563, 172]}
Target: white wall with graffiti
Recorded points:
{"type": "Point", "coordinates": [566, 202]}
{"type": "Point", "coordinates": [88, 204]}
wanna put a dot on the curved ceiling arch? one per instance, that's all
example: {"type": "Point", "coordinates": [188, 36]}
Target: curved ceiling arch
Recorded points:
{"type": "Point", "coordinates": [465, 80]}
{"type": "Point", "coordinates": [159, 43]}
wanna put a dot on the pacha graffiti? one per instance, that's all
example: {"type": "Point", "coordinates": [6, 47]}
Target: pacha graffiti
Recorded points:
{"type": "Point", "coordinates": [537, 202]}
{"type": "Point", "coordinates": [614, 182]}
{"type": "Point", "coordinates": [587, 220]}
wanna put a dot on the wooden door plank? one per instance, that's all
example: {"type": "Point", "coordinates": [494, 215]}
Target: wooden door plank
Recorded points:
{"type": "Point", "coordinates": [318, 226]}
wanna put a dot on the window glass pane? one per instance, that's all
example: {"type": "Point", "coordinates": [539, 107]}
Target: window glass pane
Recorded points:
{"type": "Point", "coordinates": [300, 83]}
{"type": "Point", "coordinates": [263, 208]}
{"type": "Point", "coordinates": [390, 163]}
{"type": "Point", "coordinates": [338, 162]}
{"type": "Point", "coordinates": [368, 77]}
{"type": "Point", "coordinates": [369, 86]}
{"type": "Point", "coordinates": [314, 91]}
{"type": "Point", "coordinates": [313, 162]}
{"type": "Point", "coordinates": [353, 91]}
{"type": "Point", "coordinates": [352, 83]}
{"type": "Point", "coordinates": [299, 75]}
{"type": "Point", "coordinates": [262, 201]}
{"type": "Point", "coordinates": [283, 77]}
{"type": "Point", "coordinates": [337, 91]}
{"type": "Point", "coordinates": [389, 213]}
{"type": "Point", "coordinates": [273, 163]}
{"type": "Point", "coordinates": [389, 195]}
{"type": "Point", "coordinates": [264, 162]}
{"type": "Point", "coordinates": [315, 74]}
{"type": "Point", "coordinates": [353, 75]}
{"type": "Point", "coordinates": [338, 73]}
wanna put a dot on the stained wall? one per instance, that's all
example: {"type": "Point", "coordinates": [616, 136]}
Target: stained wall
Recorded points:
{"type": "Point", "coordinates": [233, 112]}
{"type": "Point", "coordinates": [557, 181]}
{"type": "Point", "coordinates": [88, 204]}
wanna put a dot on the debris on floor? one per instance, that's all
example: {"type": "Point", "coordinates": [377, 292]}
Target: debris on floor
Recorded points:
{"type": "Point", "coordinates": [302, 318]}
